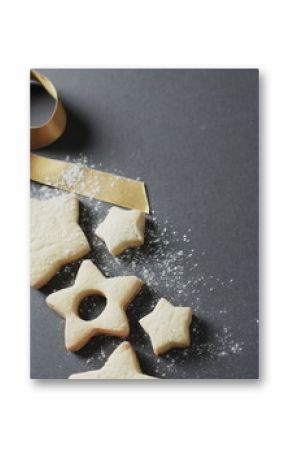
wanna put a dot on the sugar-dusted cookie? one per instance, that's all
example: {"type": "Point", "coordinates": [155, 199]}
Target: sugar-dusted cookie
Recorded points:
{"type": "Point", "coordinates": [118, 291]}
{"type": "Point", "coordinates": [167, 326]}
{"type": "Point", "coordinates": [122, 229]}
{"type": "Point", "coordinates": [56, 237]}
{"type": "Point", "coordinates": [122, 364]}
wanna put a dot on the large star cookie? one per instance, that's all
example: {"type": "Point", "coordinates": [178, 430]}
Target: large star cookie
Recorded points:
{"type": "Point", "coordinates": [118, 291]}
{"type": "Point", "coordinates": [122, 364]}
{"type": "Point", "coordinates": [167, 326]}
{"type": "Point", "coordinates": [56, 237]}
{"type": "Point", "coordinates": [122, 229]}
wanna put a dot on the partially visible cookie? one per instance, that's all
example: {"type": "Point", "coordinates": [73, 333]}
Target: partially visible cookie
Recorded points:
{"type": "Point", "coordinates": [122, 364]}
{"type": "Point", "coordinates": [122, 229]}
{"type": "Point", "coordinates": [118, 291]}
{"type": "Point", "coordinates": [167, 326]}
{"type": "Point", "coordinates": [56, 237]}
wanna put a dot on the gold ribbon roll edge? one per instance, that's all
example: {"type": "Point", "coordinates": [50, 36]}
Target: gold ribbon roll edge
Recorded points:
{"type": "Point", "coordinates": [73, 177]}
{"type": "Point", "coordinates": [52, 129]}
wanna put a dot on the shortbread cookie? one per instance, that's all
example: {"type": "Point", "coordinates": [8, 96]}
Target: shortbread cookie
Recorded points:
{"type": "Point", "coordinates": [122, 364]}
{"type": "Point", "coordinates": [118, 291]}
{"type": "Point", "coordinates": [168, 326]}
{"type": "Point", "coordinates": [122, 229]}
{"type": "Point", "coordinates": [56, 237]}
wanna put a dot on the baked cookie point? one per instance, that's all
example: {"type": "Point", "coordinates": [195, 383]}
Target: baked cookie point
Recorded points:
{"type": "Point", "coordinates": [118, 291]}
{"type": "Point", "coordinates": [122, 364]}
{"type": "Point", "coordinates": [122, 229]}
{"type": "Point", "coordinates": [56, 237]}
{"type": "Point", "coordinates": [167, 326]}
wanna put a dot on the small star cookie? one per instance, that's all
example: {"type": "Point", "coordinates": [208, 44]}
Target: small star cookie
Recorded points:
{"type": "Point", "coordinates": [118, 291]}
{"type": "Point", "coordinates": [167, 326]}
{"type": "Point", "coordinates": [122, 364]}
{"type": "Point", "coordinates": [56, 237]}
{"type": "Point", "coordinates": [122, 229]}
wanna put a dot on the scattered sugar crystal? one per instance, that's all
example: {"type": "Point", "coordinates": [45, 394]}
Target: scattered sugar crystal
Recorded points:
{"type": "Point", "coordinates": [73, 175]}
{"type": "Point", "coordinates": [169, 266]}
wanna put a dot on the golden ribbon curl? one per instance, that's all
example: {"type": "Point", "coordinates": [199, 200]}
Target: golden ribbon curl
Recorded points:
{"type": "Point", "coordinates": [103, 186]}
{"type": "Point", "coordinates": [52, 129]}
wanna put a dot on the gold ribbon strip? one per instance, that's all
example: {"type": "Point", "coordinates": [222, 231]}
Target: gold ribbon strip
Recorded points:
{"type": "Point", "coordinates": [78, 178]}
{"type": "Point", "coordinates": [89, 182]}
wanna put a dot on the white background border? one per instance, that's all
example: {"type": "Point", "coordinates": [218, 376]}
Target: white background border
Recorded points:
{"type": "Point", "coordinates": [219, 414]}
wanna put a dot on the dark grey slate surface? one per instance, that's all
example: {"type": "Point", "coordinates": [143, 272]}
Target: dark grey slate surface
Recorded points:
{"type": "Point", "coordinates": [192, 136]}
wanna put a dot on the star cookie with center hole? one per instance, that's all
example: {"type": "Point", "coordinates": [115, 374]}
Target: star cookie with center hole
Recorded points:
{"type": "Point", "coordinates": [122, 229]}
{"type": "Point", "coordinates": [167, 326]}
{"type": "Point", "coordinates": [122, 364]}
{"type": "Point", "coordinates": [118, 291]}
{"type": "Point", "coordinates": [56, 237]}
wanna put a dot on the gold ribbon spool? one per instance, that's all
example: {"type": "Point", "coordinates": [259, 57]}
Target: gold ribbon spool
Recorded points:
{"type": "Point", "coordinates": [103, 186]}
{"type": "Point", "coordinates": [52, 129]}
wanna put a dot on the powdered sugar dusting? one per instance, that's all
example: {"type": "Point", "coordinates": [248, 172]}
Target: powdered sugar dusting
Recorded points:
{"type": "Point", "coordinates": [73, 175]}
{"type": "Point", "coordinates": [171, 266]}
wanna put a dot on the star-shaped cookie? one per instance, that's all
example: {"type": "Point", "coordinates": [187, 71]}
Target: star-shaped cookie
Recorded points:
{"type": "Point", "coordinates": [122, 229]}
{"type": "Point", "coordinates": [56, 237]}
{"type": "Point", "coordinates": [122, 364]}
{"type": "Point", "coordinates": [118, 291]}
{"type": "Point", "coordinates": [167, 326]}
